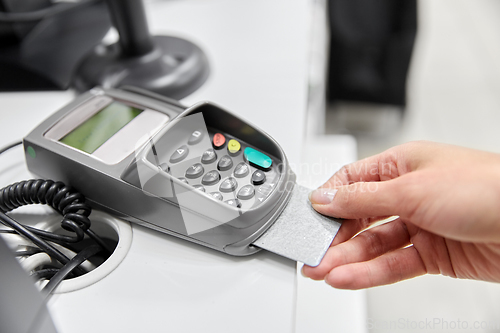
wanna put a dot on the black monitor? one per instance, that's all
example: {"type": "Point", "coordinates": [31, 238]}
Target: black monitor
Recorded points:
{"type": "Point", "coordinates": [59, 52]}
{"type": "Point", "coordinates": [42, 43]}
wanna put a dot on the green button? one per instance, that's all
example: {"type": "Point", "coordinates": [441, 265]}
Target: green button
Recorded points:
{"type": "Point", "coordinates": [31, 151]}
{"type": "Point", "coordinates": [258, 159]}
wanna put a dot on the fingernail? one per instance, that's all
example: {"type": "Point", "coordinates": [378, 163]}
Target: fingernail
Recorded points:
{"type": "Point", "coordinates": [322, 196]}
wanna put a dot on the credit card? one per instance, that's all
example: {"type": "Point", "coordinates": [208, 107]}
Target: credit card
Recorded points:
{"type": "Point", "coordinates": [300, 233]}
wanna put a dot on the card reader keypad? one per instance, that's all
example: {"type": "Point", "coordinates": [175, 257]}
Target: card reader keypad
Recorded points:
{"type": "Point", "coordinates": [229, 171]}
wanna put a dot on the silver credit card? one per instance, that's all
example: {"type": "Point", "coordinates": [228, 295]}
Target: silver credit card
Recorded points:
{"type": "Point", "coordinates": [300, 233]}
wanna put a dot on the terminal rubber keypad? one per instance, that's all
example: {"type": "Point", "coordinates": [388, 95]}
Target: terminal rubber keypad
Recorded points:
{"type": "Point", "coordinates": [228, 170]}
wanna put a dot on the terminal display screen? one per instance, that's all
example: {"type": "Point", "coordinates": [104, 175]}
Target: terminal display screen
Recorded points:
{"type": "Point", "coordinates": [99, 128]}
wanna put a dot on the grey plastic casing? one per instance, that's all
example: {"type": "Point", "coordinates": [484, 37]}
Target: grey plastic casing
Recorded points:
{"type": "Point", "coordinates": [118, 190]}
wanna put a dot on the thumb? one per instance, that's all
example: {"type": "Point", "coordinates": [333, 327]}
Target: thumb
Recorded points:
{"type": "Point", "coordinates": [364, 199]}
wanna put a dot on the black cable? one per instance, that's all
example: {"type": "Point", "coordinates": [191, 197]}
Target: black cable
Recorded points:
{"type": "Point", "coordinates": [62, 198]}
{"type": "Point", "coordinates": [21, 230]}
{"type": "Point", "coordinates": [29, 252]}
{"type": "Point", "coordinates": [12, 145]}
{"type": "Point", "coordinates": [45, 273]}
{"type": "Point", "coordinates": [38, 15]}
{"type": "Point", "coordinates": [49, 249]}
{"type": "Point", "coordinates": [75, 213]}
{"type": "Point", "coordinates": [70, 266]}
{"type": "Point", "coordinates": [4, 231]}
{"type": "Point", "coordinates": [99, 241]}
{"type": "Point", "coordinates": [6, 220]}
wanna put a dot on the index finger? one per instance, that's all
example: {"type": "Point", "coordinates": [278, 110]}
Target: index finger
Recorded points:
{"type": "Point", "coordinates": [387, 165]}
{"type": "Point", "coordinates": [380, 167]}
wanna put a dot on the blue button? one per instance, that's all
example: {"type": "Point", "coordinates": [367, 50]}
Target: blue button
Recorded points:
{"type": "Point", "coordinates": [258, 159]}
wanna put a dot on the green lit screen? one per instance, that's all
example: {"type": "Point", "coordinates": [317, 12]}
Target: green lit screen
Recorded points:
{"type": "Point", "coordinates": [96, 130]}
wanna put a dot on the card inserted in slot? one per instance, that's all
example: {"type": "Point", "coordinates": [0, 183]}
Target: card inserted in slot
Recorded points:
{"type": "Point", "coordinates": [300, 233]}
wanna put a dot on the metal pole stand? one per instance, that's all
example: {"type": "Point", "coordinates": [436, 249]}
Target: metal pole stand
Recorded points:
{"type": "Point", "coordinates": [167, 65]}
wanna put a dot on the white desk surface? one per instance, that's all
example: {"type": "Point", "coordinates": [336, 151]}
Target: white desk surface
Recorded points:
{"type": "Point", "coordinates": [258, 53]}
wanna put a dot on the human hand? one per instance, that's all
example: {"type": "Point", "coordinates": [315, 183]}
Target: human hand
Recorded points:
{"type": "Point", "coordinates": [448, 202]}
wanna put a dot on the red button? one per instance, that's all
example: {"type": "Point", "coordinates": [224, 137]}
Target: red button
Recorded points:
{"type": "Point", "coordinates": [219, 140]}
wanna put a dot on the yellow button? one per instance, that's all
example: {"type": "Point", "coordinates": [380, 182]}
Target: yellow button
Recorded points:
{"type": "Point", "coordinates": [233, 146]}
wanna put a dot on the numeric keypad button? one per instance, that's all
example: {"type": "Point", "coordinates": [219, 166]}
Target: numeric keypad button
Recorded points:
{"type": "Point", "coordinates": [241, 170]}
{"type": "Point", "coordinates": [211, 178]}
{"type": "Point", "coordinates": [216, 195]}
{"type": "Point", "coordinates": [225, 163]}
{"type": "Point", "coordinates": [199, 187]}
{"type": "Point", "coordinates": [194, 171]}
{"type": "Point", "coordinates": [246, 192]}
{"type": "Point", "coordinates": [209, 156]}
{"type": "Point", "coordinates": [228, 185]}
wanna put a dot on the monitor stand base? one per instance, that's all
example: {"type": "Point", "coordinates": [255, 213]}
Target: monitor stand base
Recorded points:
{"type": "Point", "coordinates": [174, 67]}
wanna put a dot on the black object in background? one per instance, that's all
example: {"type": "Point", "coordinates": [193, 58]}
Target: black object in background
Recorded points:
{"type": "Point", "coordinates": [41, 54]}
{"type": "Point", "coordinates": [166, 65]}
{"type": "Point", "coordinates": [371, 44]}
{"type": "Point", "coordinates": [22, 306]}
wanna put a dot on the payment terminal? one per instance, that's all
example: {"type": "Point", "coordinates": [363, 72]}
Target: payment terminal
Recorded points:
{"type": "Point", "coordinates": [200, 173]}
